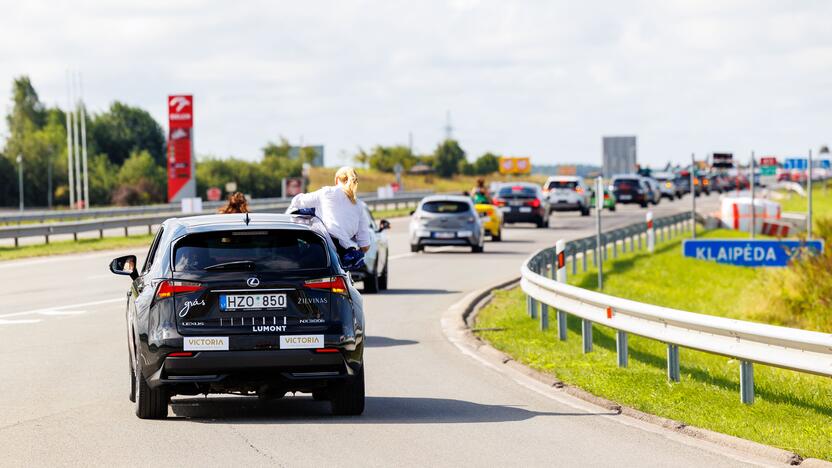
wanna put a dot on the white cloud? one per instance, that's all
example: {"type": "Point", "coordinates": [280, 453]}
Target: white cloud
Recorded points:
{"type": "Point", "coordinates": [546, 79]}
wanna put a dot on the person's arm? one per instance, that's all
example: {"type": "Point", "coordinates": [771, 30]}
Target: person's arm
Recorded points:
{"type": "Point", "coordinates": [362, 237]}
{"type": "Point", "coordinates": [305, 200]}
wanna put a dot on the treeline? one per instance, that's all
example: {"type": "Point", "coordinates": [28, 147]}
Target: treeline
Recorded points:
{"type": "Point", "coordinates": [446, 160]}
{"type": "Point", "coordinates": [126, 151]}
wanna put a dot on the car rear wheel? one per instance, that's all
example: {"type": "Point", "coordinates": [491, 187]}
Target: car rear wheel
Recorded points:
{"type": "Point", "coordinates": [347, 398]}
{"type": "Point", "coordinates": [643, 204]}
{"type": "Point", "coordinates": [415, 248]}
{"type": "Point", "coordinates": [584, 211]}
{"type": "Point", "coordinates": [382, 280]}
{"type": "Point", "coordinates": [371, 281]}
{"type": "Point", "coordinates": [476, 249]}
{"type": "Point", "coordinates": [497, 237]}
{"type": "Point", "coordinates": [151, 403]}
{"type": "Point", "coordinates": [132, 380]}
{"type": "Point", "coordinates": [612, 207]}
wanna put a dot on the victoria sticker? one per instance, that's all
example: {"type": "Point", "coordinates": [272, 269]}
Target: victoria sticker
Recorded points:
{"type": "Point", "coordinates": [206, 343]}
{"type": "Point", "coordinates": [301, 341]}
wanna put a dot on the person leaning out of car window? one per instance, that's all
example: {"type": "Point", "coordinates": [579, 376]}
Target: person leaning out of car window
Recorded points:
{"type": "Point", "coordinates": [237, 203]}
{"type": "Point", "coordinates": [338, 208]}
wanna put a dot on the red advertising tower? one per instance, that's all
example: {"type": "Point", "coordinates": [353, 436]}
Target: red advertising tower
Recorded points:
{"type": "Point", "coordinates": [181, 174]}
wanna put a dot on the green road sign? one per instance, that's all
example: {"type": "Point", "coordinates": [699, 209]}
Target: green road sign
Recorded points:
{"type": "Point", "coordinates": [768, 170]}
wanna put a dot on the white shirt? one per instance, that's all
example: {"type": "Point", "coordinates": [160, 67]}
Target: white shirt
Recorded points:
{"type": "Point", "coordinates": [344, 220]}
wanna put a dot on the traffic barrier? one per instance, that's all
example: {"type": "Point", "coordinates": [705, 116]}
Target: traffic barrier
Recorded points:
{"type": "Point", "coordinates": [126, 222]}
{"type": "Point", "coordinates": [748, 342]}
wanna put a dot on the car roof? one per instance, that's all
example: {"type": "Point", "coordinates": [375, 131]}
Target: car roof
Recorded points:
{"type": "Point", "coordinates": [237, 221]}
{"type": "Point", "coordinates": [454, 198]}
{"type": "Point", "coordinates": [568, 178]}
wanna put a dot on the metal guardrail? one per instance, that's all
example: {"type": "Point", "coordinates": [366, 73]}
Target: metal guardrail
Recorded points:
{"type": "Point", "coordinates": [126, 222]}
{"type": "Point", "coordinates": [63, 215]}
{"type": "Point", "coordinates": [800, 350]}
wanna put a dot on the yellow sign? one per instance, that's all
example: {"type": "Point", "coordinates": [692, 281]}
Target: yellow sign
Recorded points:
{"type": "Point", "coordinates": [515, 165]}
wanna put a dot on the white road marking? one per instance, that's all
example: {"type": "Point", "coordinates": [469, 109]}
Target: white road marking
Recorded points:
{"type": "Point", "coordinates": [56, 310]}
{"type": "Point", "coordinates": [18, 322]}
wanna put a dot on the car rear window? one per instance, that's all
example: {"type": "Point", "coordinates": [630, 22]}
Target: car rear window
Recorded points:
{"type": "Point", "coordinates": [517, 191]}
{"type": "Point", "coordinates": [625, 183]}
{"type": "Point", "coordinates": [562, 184]}
{"type": "Point", "coordinates": [446, 207]}
{"type": "Point", "coordinates": [268, 249]}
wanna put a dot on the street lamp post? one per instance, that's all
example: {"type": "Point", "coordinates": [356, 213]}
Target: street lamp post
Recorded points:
{"type": "Point", "coordinates": [20, 178]}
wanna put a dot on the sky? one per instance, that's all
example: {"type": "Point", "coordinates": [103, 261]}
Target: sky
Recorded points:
{"type": "Point", "coordinates": [546, 79]}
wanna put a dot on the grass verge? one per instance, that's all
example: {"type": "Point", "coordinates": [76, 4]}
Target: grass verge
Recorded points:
{"type": "Point", "coordinates": [792, 411]}
{"type": "Point", "coordinates": [72, 247]}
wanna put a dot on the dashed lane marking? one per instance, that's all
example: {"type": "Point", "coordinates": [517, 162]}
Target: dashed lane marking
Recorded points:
{"type": "Point", "coordinates": [62, 310]}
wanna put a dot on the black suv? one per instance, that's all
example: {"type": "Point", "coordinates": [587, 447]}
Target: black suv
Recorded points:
{"type": "Point", "coordinates": [249, 304]}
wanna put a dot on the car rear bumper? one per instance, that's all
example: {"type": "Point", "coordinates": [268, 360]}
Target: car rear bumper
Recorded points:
{"type": "Point", "coordinates": [461, 241]}
{"type": "Point", "coordinates": [566, 206]}
{"type": "Point", "coordinates": [252, 368]}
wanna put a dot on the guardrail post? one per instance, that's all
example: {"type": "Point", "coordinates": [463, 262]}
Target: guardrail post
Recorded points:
{"type": "Point", "coordinates": [639, 241]}
{"type": "Point", "coordinates": [561, 325]}
{"type": "Point", "coordinates": [46, 237]}
{"type": "Point", "coordinates": [533, 309]}
{"type": "Point", "coordinates": [633, 243]}
{"type": "Point", "coordinates": [574, 262]}
{"type": "Point", "coordinates": [651, 233]}
{"type": "Point", "coordinates": [544, 316]}
{"type": "Point", "coordinates": [614, 248]}
{"type": "Point", "coordinates": [586, 335]}
{"type": "Point", "coordinates": [100, 234]}
{"type": "Point", "coordinates": [621, 348]}
{"type": "Point", "coordinates": [673, 373]}
{"type": "Point", "coordinates": [16, 243]}
{"type": "Point", "coordinates": [747, 382]}
{"type": "Point", "coordinates": [584, 259]}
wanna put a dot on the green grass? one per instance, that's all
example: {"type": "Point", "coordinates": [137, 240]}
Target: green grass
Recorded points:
{"type": "Point", "coordinates": [392, 213]}
{"type": "Point", "coordinates": [792, 411]}
{"type": "Point", "coordinates": [71, 247]}
{"type": "Point", "coordinates": [821, 201]}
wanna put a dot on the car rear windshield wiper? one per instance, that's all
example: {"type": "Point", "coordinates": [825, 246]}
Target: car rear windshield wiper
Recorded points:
{"type": "Point", "coordinates": [236, 265]}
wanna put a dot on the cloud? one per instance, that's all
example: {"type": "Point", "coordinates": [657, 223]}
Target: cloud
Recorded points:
{"type": "Point", "coordinates": [546, 79]}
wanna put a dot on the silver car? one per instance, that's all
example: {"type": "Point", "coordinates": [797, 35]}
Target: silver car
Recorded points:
{"type": "Point", "coordinates": [446, 220]}
{"type": "Point", "coordinates": [375, 271]}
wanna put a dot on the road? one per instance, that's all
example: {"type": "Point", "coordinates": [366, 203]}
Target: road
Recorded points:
{"type": "Point", "coordinates": [63, 392]}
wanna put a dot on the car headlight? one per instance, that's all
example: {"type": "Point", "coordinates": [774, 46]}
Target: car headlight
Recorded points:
{"type": "Point", "coordinates": [465, 233]}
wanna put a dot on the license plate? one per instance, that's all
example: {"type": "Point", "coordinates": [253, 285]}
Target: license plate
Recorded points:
{"type": "Point", "coordinates": [505, 209]}
{"type": "Point", "coordinates": [444, 235]}
{"type": "Point", "coordinates": [231, 302]}
{"type": "Point", "coordinates": [515, 203]}
{"type": "Point", "coordinates": [625, 197]}
{"type": "Point", "coordinates": [525, 209]}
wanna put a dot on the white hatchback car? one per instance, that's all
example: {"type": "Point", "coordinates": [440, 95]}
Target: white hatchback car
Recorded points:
{"type": "Point", "coordinates": [568, 193]}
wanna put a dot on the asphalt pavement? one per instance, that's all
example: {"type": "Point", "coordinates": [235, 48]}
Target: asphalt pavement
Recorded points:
{"type": "Point", "coordinates": [64, 379]}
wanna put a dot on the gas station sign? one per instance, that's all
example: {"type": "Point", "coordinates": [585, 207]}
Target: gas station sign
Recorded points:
{"type": "Point", "coordinates": [181, 174]}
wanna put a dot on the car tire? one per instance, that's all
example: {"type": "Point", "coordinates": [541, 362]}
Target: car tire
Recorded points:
{"type": "Point", "coordinates": [382, 280]}
{"type": "Point", "coordinates": [320, 395]}
{"type": "Point", "coordinates": [476, 249]}
{"type": "Point", "coordinates": [585, 211]}
{"type": "Point", "coordinates": [612, 208]}
{"type": "Point", "coordinates": [643, 204]}
{"type": "Point", "coordinates": [151, 403]}
{"type": "Point", "coordinates": [132, 379]}
{"type": "Point", "coordinates": [497, 237]}
{"type": "Point", "coordinates": [371, 282]}
{"type": "Point", "coordinates": [347, 398]}
{"type": "Point", "coordinates": [415, 248]}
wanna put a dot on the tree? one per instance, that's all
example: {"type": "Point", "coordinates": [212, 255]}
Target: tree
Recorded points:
{"type": "Point", "coordinates": [488, 163]}
{"type": "Point", "coordinates": [277, 150]}
{"type": "Point", "coordinates": [385, 158]}
{"type": "Point", "coordinates": [123, 130]}
{"type": "Point", "coordinates": [141, 181]}
{"type": "Point", "coordinates": [447, 157]}
{"type": "Point", "coordinates": [103, 179]}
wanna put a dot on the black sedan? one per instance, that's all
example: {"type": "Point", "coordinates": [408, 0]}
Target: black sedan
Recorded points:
{"type": "Point", "coordinates": [248, 304]}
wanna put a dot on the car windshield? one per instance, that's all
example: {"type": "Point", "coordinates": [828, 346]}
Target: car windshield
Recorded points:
{"type": "Point", "coordinates": [244, 250]}
{"type": "Point", "coordinates": [517, 191]}
{"type": "Point", "coordinates": [446, 207]}
{"type": "Point", "coordinates": [562, 184]}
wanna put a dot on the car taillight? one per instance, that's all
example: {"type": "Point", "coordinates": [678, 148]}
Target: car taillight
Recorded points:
{"type": "Point", "coordinates": [533, 203]}
{"type": "Point", "coordinates": [498, 202]}
{"type": "Point", "coordinates": [606, 196]}
{"type": "Point", "coordinates": [327, 350]}
{"type": "Point", "coordinates": [334, 284]}
{"type": "Point", "coordinates": [579, 189]}
{"type": "Point", "coordinates": [705, 182]}
{"type": "Point", "coordinates": [181, 354]}
{"type": "Point", "coordinates": [168, 288]}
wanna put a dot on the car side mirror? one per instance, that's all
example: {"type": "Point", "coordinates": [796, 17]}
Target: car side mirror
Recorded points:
{"type": "Point", "coordinates": [383, 224]}
{"type": "Point", "coordinates": [125, 265]}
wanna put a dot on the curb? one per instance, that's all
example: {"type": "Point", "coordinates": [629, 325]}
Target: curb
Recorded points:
{"type": "Point", "coordinates": [457, 325]}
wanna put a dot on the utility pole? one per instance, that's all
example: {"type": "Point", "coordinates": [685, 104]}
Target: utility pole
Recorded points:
{"type": "Point", "coordinates": [809, 192]}
{"type": "Point", "coordinates": [84, 143]}
{"type": "Point", "coordinates": [69, 144]}
{"type": "Point", "coordinates": [693, 195]}
{"type": "Point", "coordinates": [20, 179]}
{"type": "Point", "coordinates": [77, 147]}
{"type": "Point", "coordinates": [753, 207]}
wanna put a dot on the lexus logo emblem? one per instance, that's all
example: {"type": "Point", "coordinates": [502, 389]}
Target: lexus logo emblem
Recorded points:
{"type": "Point", "coordinates": [253, 282]}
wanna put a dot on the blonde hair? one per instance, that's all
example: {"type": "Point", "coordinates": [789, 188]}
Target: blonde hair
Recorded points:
{"type": "Point", "coordinates": [348, 179]}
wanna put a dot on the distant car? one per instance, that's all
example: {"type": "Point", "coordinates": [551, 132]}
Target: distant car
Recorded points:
{"type": "Point", "coordinates": [631, 188]}
{"type": "Point", "coordinates": [655, 190]}
{"type": "Point", "coordinates": [609, 199]}
{"type": "Point", "coordinates": [683, 182]}
{"type": "Point", "coordinates": [567, 193]}
{"type": "Point", "coordinates": [375, 271]}
{"type": "Point", "coordinates": [446, 220]}
{"type": "Point", "coordinates": [667, 185]}
{"type": "Point", "coordinates": [241, 304]}
{"type": "Point", "coordinates": [492, 220]}
{"type": "Point", "coordinates": [523, 202]}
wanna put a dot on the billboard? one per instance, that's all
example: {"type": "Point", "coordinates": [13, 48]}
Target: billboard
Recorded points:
{"type": "Point", "coordinates": [515, 165]}
{"type": "Point", "coordinates": [620, 155]}
{"type": "Point", "coordinates": [181, 174]}
{"type": "Point", "coordinates": [723, 160]}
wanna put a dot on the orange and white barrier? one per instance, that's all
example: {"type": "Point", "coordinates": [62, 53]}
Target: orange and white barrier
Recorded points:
{"type": "Point", "coordinates": [736, 213]}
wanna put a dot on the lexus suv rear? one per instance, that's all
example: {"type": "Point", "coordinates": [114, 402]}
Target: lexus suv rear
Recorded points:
{"type": "Point", "coordinates": [248, 304]}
